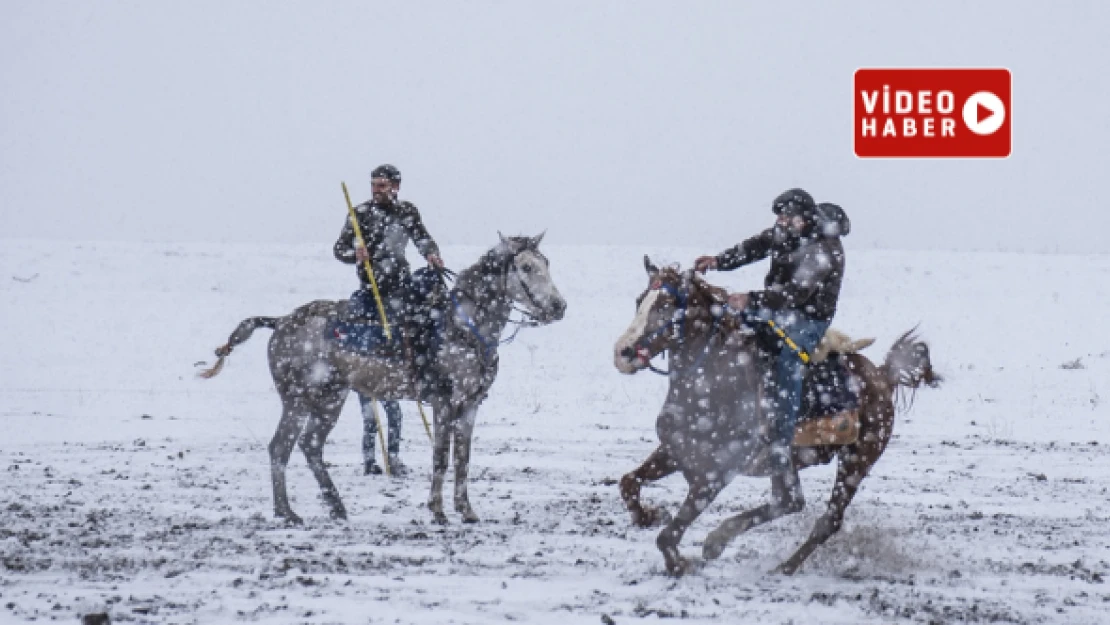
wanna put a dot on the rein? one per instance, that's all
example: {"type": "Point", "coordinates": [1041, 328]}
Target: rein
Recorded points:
{"type": "Point", "coordinates": [489, 345]}
{"type": "Point", "coordinates": [531, 320]}
{"type": "Point", "coordinates": [679, 320]}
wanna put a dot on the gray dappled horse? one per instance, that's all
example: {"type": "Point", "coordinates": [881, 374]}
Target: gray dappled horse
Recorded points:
{"type": "Point", "coordinates": [712, 429]}
{"type": "Point", "coordinates": [313, 376]}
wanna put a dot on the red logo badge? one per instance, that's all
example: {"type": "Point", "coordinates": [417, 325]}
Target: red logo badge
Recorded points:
{"type": "Point", "coordinates": [932, 113]}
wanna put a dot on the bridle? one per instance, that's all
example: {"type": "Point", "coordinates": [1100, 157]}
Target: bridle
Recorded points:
{"type": "Point", "coordinates": [678, 325]}
{"type": "Point", "coordinates": [529, 319]}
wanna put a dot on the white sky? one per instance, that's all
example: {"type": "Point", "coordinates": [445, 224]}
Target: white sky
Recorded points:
{"type": "Point", "coordinates": [601, 121]}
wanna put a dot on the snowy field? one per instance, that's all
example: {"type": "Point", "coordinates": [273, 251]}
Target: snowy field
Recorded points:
{"type": "Point", "coordinates": [131, 487]}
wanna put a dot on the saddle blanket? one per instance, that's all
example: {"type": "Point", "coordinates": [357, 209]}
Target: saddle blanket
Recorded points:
{"type": "Point", "coordinates": [365, 335]}
{"type": "Point", "coordinates": [838, 429]}
{"type": "Point", "coordinates": [366, 339]}
{"type": "Point", "coordinates": [830, 405]}
{"type": "Point", "coordinates": [829, 389]}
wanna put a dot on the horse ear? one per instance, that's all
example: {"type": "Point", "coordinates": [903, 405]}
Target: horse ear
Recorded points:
{"type": "Point", "coordinates": [535, 242]}
{"type": "Point", "coordinates": [501, 237]}
{"type": "Point", "coordinates": [650, 267]}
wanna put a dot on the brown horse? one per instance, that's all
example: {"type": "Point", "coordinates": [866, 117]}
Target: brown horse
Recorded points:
{"type": "Point", "coordinates": [711, 427]}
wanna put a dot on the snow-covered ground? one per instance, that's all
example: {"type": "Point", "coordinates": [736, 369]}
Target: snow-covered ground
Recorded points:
{"type": "Point", "coordinates": [131, 487]}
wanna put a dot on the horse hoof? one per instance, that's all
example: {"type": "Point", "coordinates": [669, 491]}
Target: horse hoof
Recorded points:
{"type": "Point", "coordinates": [339, 515]}
{"type": "Point", "coordinates": [439, 518]}
{"type": "Point", "coordinates": [290, 519]}
{"type": "Point", "coordinates": [683, 566]}
{"type": "Point", "coordinates": [470, 517]}
{"type": "Point", "coordinates": [651, 517]}
{"type": "Point", "coordinates": [785, 569]}
{"type": "Point", "coordinates": [713, 547]}
{"type": "Point", "coordinates": [678, 567]}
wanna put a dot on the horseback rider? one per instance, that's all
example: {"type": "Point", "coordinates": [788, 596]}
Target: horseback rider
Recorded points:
{"type": "Point", "coordinates": [387, 225]}
{"type": "Point", "coordinates": [800, 297]}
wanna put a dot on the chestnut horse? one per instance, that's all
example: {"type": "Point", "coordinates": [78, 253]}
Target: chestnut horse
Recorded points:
{"type": "Point", "coordinates": [711, 427]}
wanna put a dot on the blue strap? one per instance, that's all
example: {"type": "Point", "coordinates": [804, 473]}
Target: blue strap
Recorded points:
{"type": "Point", "coordinates": [681, 300]}
{"type": "Point", "coordinates": [489, 345]}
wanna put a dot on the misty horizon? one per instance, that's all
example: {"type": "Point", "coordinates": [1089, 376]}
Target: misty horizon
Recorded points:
{"type": "Point", "coordinates": [647, 123]}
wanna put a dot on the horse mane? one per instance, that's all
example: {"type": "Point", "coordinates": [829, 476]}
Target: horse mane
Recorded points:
{"type": "Point", "coordinates": [496, 259]}
{"type": "Point", "coordinates": [715, 294]}
{"type": "Point", "coordinates": [712, 294]}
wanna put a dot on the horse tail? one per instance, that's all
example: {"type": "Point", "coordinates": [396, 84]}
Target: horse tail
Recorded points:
{"type": "Point", "coordinates": [908, 366]}
{"type": "Point", "coordinates": [240, 335]}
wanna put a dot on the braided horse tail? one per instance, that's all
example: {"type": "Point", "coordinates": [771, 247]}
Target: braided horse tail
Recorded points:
{"type": "Point", "coordinates": [240, 335]}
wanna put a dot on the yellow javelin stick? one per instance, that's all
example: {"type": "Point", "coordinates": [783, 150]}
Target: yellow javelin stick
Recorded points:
{"type": "Point", "coordinates": [369, 269]}
{"type": "Point", "coordinates": [381, 437]}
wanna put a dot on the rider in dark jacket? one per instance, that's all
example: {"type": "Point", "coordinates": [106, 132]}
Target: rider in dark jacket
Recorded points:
{"type": "Point", "coordinates": [387, 225]}
{"type": "Point", "coordinates": [800, 296]}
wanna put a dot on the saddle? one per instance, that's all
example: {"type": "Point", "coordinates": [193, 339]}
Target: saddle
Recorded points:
{"type": "Point", "coordinates": [366, 336]}
{"type": "Point", "coordinates": [830, 395]}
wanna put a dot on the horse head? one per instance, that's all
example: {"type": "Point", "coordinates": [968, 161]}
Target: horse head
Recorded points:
{"type": "Point", "coordinates": [528, 281]}
{"type": "Point", "coordinates": [676, 307]}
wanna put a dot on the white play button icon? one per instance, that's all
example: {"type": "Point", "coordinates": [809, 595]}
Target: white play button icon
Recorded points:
{"type": "Point", "coordinates": [984, 113]}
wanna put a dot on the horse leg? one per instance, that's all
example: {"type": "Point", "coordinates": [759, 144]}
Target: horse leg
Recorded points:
{"type": "Point", "coordinates": [281, 446]}
{"type": "Point", "coordinates": [781, 504]}
{"type": "Point", "coordinates": [320, 424]}
{"type": "Point", "coordinates": [854, 465]}
{"type": "Point", "coordinates": [441, 445]}
{"type": "Point", "coordinates": [698, 498]}
{"type": "Point", "coordinates": [656, 467]}
{"type": "Point", "coordinates": [464, 432]}
{"type": "Point", "coordinates": [856, 461]}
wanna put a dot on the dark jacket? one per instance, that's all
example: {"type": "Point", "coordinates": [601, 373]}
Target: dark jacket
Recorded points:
{"type": "Point", "coordinates": [386, 229]}
{"type": "Point", "coordinates": [805, 273]}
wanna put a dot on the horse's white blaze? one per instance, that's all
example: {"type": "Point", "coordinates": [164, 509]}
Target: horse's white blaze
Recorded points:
{"type": "Point", "coordinates": [634, 332]}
